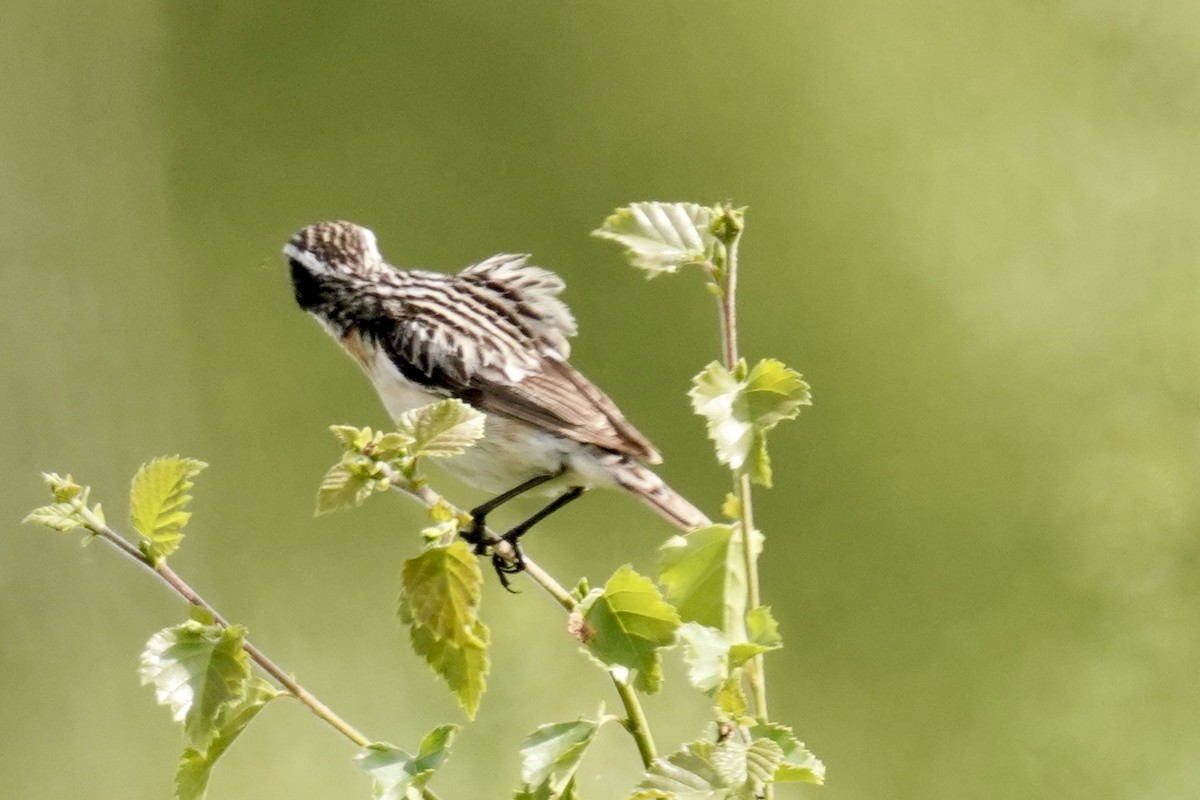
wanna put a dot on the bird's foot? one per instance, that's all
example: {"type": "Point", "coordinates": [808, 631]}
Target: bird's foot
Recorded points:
{"type": "Point", "coordinates": [509, 564]}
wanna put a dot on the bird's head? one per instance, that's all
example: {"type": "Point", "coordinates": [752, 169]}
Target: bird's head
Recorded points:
{"type": "Point", "coordinates": [327, 257]}
{"type": "Point", "coordinates": [326, 248]}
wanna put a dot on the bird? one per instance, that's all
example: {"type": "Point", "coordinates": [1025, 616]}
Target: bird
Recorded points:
{"type": "Point", "coordinates": [496, 336]}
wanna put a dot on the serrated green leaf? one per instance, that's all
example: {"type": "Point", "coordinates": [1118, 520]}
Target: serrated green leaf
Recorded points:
{"type": "Point", "coordinates": [763, 758]}
{"type": "Point", "coordinates": [551, 755]}
{"type": "Point", "coordinates": [742, 652]}
{"type": "Point", "coordinates": [661, 237]}
{"type": "Point", "coordinates": [197, 671]}
{"type": "Point", "coordinates": [740, 412]}
{"type": "Point", "coordinates": [627, 622]}
{"type": "Point", "coordinates": [158, 500]}
{"type": "Point", "coordinates": [342, 487]}
{"type": "Point", "coordinates": [763, 634]}
{"type": "Point", "coordinates": [441, 429]}
{"type": "Point", "coordinates": [729, 760]}
{"type": "Point", "coordinates": [195, 766]}
{"type": "Point", "coordinates": [688, 774]}
{"type": "Point", "coordinates": [441, 587]}
{"type": "Point", "coordinates": [798, 765]}
{"type": "Point", "coordinates": [728, 769]}
{"type": "Point", "coordinates": [704, 575]}
{"type": "Point", "coordinates": [762, 628]}
{"type": "Point", "coordinates": [731, 508]}
{"type": "Point", "coordinates": [463, 667]}
{"type": "Point", "coordinates": [400, 776]}
{"type": "Point", "coordinates": [731, 696]}
{"type": "Point", "coordinates": [747, 768]}
{"type": "Point", "coordinates": [706, 652]}
{"type": "Point", "coordinates": [58, 516]}
{"type": "Point", "coordinates": [439, 601]}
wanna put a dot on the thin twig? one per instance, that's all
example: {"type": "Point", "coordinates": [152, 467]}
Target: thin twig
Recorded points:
{"type": "Point", "coordinates": [755, 671]}
{"type": "Point", "coordinates": [180, 587]}
{"type": "Point", "coordinates": [741, 482]}
{"type": "Point", "coordinates": [636, 723]}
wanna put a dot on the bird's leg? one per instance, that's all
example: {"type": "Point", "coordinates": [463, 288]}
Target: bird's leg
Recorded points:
{"type": "Point", "coordinates": [474, 533]}
{"type": "Point", "coordinates": [505, 568]}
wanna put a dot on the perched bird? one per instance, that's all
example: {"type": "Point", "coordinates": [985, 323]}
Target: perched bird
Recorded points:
{"type": "Point", "coordinates": [495, 336]}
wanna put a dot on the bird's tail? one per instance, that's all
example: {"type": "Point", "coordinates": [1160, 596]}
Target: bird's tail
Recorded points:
{"type": "Point", "coordinates": [654, 492]}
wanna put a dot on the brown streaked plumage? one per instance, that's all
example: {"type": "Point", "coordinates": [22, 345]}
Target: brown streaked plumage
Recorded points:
{"type": "Point", "coordinates": [495, 335]}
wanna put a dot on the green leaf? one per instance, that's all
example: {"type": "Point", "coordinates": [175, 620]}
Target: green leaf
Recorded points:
{"type": "Point", "coordinates": [762, 628]}
{"type": "Point", "coordinates": [626, 623]}
{"type": "Point", "coordinates": [763, 634]}
{"type": "Point", "coordinates": [59, 516]}
{"type": "Point", "coordinates": [688, 774]}
{"type": "Point", "coordinates": [731, 508]}
{"type": "Point", "coordinates": [157, 502]}
{"type": "Point", "coordinates": [714, 664]}
{"type": "Point", "coordinates": [798, 764]}
{"type": "Point", "coordinates": [730, 768]}
{"type": "Point", "coordinates": [441, 429]}
{"type": "Point", "coordinates": [706, 651]}
{"type": "Point", "coordinates": [741, 411]}
{"type": "Point", "coordinates": [439, 601]}
{"type": "Point", "coordinates": [441, 590]}
{"type": "Point", "coordinates": [551, 755]}
{"type": "Point", "coordinates": [661, 237]}
{"type": "Point", "coordinates": [463, 667]}
{"type": "Point", "coordinates": [195, 766]}
{"type": "Point", "coordinates": [704, 574]}
{"type": "Point", "coordinates": [197, 671]}
{"type": "Point", "coordinates": [747, 768]}
{"type": "Point", "coordinates": [731, 697]}
{"type": "Point", "coordinates": [342, 487]}
{"type": "Point", "coordinates": [400, 776]}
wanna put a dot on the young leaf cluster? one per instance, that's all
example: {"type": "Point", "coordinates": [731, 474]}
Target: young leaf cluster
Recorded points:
{"type": "Point", "coordinates": [377, 461]}
{"type": "Point", "coordinates": [70, 508]}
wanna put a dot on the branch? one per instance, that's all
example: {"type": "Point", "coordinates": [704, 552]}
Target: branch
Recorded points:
{"type": "Point", "coordinates": [172, 579]}
{"type": "Point", "coordinates": [727, 301]}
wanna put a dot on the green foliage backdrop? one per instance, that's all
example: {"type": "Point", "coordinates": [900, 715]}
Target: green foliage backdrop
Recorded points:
{"type": "Point", "coordinates": [973, 230]}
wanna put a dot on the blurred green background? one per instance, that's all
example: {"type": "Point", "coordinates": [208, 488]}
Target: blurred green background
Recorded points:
{"type": "Point", "coordinates": [972, 227]}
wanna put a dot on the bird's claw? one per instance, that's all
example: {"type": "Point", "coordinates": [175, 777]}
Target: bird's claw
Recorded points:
{"type": "Point", "coordinates": [504, 566]}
